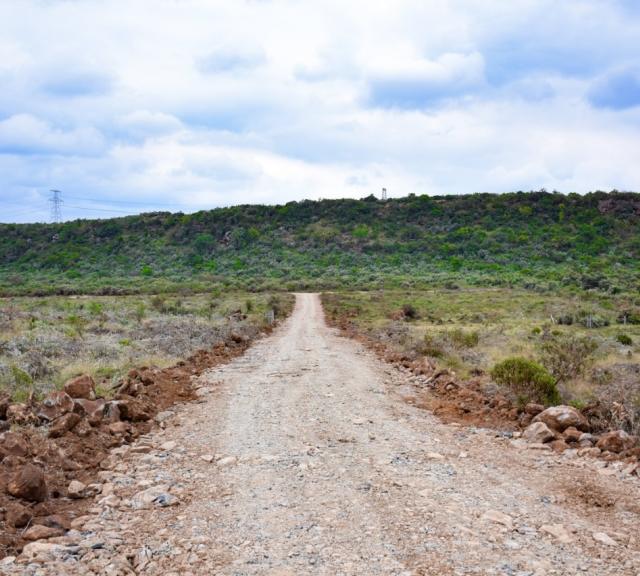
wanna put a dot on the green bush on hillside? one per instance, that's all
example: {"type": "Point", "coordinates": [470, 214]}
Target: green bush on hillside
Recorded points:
{"type": "Point", "coordinates": [528, 379]}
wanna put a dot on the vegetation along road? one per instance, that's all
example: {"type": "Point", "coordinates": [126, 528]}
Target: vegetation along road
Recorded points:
{"type": "Point", "coordinates": [301, 457]}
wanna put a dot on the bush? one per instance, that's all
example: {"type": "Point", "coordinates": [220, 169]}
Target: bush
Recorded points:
{"type": "Point", "coordinates": [624, 339]}
{"type": "Point", "coordinates": [158, 303]}
{"type": "Point", "coordinates": [461, 339]}
{"type": "Point", "coordinates": [432, 346]}
{"type": "Point", "coordinates": [567, 356]}
{"type": "Point", "coordinates": [528, 379]}
{"type": "Point", "coordinates": [409, 312]}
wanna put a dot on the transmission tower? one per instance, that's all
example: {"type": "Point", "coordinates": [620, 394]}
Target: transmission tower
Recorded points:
{"type": "Point", "coordinates": [384, 194]}
{"type": "Point", "coordinates": [56, 203]}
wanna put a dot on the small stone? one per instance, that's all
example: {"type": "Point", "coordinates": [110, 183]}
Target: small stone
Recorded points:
{"type": "Point", "coordinates": [499, 518]}
{"type": "Point", "coordinates": [616, 441]}
{"type": "Point", "coordinates": [538, 432]}
{"type": "Point", "coordinates": [164, 416]}
{"type": "Point", "coordinates": [28, 483]}
{"type": "Point", "coordinates": [227, 461]}
{"type": "Point", "coordinates": [164, 500]}
{"type": "Point", "coordinates": [168, 446]}
{"type": "Point", "coordinates": [145, 498]}
{"type": "Point", "coordinates": [533, 409]}
{"type": "Point", "coordinates": [39, 532]}
{"type": "Point", "coordinates": [207, 457]}
{"type": "Point", "coordinates": [13, 444]}
{"type": "Point", "coordinates": [81, 387]}
{"type": "Point", "coordinates": [18, 515]}
{"type": "Point", "coordinates": [434, 456]}
{"type": "Point", "coordinates": [558, 531]}
{"type": "Point", "coordinates": [604, 538]}
{"type": "Point", "coordinates": [42, 550]}
{"type": "Point", "coordinates": [60, 426]}
{"type": "Point", "coordinates": [76, 489]}
{"type": "Point", "coordinates": [55, 405]}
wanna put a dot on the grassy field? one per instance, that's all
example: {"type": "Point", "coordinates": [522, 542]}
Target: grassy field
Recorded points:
{"type": "Point", "coordinates": [44, 341]}
{"type": "Point", "coordinates": [587, 341]}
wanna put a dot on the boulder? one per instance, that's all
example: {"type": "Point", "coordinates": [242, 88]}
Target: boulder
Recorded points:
{"type": "Point", "coordinates": [81, 387]}
{"type": "Point", "coordinates": [13, 444]}
{"type": "Point", "coordinates": [616, 441]}
{"type": "Point", "coordinates": [55, 405]}
{"type": "Point", "coordinates": [559, 418]}
{"type": "Point", "coordinates": [64, 424]}
{"type": "Point", "coordinates": [538, 432]}
{"type": "Point", "coordinates": [28, 483]}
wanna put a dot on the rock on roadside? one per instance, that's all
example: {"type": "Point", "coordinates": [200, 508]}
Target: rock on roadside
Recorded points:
{"type": "Point", "coordinates": [559, 418]}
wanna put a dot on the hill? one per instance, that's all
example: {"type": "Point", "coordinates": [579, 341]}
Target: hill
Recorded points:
{"type": "Point", "coordinates": [536, 239]}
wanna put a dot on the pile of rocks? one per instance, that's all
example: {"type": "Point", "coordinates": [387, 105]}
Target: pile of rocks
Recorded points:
{"type": "Point", "coordinates": [564, 428]}
{"type": "Point", "coordinates": [51, 451]}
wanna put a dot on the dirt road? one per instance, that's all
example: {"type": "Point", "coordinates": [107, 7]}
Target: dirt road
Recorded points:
{"type": "Point", "coordinates": [302, 458]}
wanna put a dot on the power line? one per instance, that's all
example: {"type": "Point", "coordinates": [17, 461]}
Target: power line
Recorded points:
{"type": "Point", "coordinates": [101, 209]}
{"type": "Point", "coordinates": [131, 202]}
{"type": "Point", "coordinates": [56, 203]}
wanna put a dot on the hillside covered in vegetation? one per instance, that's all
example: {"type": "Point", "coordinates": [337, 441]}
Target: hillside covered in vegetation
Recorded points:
{"type": "Point", "coordinates": [539, 240]}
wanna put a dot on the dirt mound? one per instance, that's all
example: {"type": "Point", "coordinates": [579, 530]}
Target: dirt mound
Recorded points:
{"type": "Point", "coordinates": [64, 439]}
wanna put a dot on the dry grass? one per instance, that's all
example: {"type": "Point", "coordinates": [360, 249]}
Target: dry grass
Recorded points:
{"type": "Point", "coordinates": [45, 341]}
{"type": "Point", "coordinates": [507, 323]}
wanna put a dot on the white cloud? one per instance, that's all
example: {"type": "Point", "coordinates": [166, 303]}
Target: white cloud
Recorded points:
{"type": "Point", "coordinates": [199, 101]}
{"type": "Point", "coordinates": [24, 133]}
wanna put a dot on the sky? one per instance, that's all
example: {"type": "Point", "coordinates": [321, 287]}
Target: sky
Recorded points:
{"type": "Point", "coordinates": [132, 105]}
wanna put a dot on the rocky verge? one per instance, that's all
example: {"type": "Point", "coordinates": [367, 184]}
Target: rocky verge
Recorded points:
{"type": "Point", "coordinates": [480, 402]}
{"type": "Point", "coordinates": [53, 451]}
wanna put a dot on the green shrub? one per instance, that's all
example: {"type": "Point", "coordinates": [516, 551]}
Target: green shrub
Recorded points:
{"type": "Point", "coordinates": [462, 339]}
{"type": "Point", "coordinates": [528, 379]}
{"type": "Point", "coordinates": [624, 339]}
